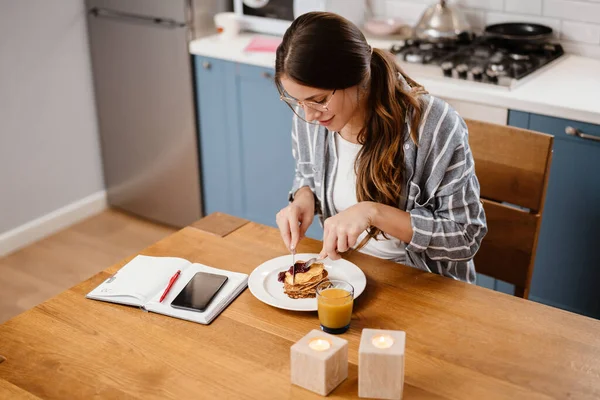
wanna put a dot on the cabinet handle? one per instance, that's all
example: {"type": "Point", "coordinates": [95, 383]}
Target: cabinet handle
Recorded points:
{"type": "Point", "coordinates": [206, 65]}
{"type": "Point", "coordinates": [569, 130]}
{"type": "Point", "coordinates": [267, 75]}
{"type": "Point", "coordinates": [120, 15]}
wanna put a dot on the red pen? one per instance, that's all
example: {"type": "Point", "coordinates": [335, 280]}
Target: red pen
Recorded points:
{"type": "Point", "coordinates": [171, 282]}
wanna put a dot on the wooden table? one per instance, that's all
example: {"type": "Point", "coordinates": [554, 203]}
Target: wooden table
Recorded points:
{"type": "Point", "coordinates": [463, 341]}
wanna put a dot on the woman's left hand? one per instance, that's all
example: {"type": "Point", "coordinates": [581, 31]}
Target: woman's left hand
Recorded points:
{"type": "Point", "coordinates": [342, 230]}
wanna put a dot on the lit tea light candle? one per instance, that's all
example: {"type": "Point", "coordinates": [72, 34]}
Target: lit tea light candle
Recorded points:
{"type": "Point", "coordinates": [382, 341]}
{"type": "Point", "coordinates": [319, 362]}
{"type": "Point", "coordinates": [319, 344]}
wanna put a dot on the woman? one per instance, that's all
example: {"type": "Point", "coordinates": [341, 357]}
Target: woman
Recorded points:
{"type": "Point", "coordinates": [386, 166]}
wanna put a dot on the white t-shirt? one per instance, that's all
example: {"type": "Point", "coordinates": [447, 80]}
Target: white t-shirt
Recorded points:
{"type": "Point", "coordinates": [344, 196]}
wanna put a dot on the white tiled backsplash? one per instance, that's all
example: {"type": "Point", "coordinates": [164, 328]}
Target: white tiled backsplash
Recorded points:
{"type": "Point", "coordinates": [575, 23]}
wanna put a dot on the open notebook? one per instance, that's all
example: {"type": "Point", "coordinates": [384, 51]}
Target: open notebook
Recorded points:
{"type": "Point", "coordinates": [143, 280]}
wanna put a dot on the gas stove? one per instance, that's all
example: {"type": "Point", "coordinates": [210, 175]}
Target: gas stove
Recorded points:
{"type": "Point", "coordinates": [481, 59]}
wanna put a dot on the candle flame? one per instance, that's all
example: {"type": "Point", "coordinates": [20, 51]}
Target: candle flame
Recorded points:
{"type": "Point", "coordinates": [319, 344]}
{"type": "Point", "coordinates": [382, 341]}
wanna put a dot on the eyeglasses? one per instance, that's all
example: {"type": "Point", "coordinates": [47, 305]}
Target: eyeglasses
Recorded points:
{"type": "Point", "coordinates": [321, 107]}
{"type": "Point", "coordinates": [295, 104]}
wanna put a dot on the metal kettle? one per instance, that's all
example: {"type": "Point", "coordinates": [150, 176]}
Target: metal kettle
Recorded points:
{"type": "Point", "coordinates": [442, 22]}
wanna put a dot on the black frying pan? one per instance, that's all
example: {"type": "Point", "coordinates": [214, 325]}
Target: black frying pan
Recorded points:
{"type": "Point", "coordinates": [519, 32]}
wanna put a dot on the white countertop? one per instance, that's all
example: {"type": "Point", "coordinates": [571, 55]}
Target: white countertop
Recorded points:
{"type": "Point", "coordinates": [570, 88]}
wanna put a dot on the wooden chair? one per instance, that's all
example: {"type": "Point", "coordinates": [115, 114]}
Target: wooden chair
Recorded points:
{"type": "Point", "coordinates": [512, 166]}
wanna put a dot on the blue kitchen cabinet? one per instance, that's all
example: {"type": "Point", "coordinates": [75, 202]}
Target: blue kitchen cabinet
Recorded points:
{"type": "Point", "coordinates": [519, 119]}
{"type": "Point", "coordinates": [567, 264]}
{"type": "Point", "coordinates": [219, 140]}
{"type": "Point", "coordinates": [245, 141]}
{"type": "Point", "coordinates": [265, 125]}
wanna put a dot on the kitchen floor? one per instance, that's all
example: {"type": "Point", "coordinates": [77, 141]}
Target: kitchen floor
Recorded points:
{"type": "Point", "coordinates": [46, 268]}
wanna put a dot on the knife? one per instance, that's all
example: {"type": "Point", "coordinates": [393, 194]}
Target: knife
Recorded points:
{"type": "Point", "coordinates": [293, 266]}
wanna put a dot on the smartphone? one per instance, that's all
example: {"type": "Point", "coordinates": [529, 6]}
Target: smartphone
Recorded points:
{"type": "Point", "coordinates": [199, 292]}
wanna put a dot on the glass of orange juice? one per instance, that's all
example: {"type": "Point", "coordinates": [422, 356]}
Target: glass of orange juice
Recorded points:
{"type": "Point", "coordinates": [334, 304]}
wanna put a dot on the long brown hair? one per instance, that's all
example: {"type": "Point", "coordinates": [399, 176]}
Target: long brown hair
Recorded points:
{"type": "Point", "coordinates": [326, 51]}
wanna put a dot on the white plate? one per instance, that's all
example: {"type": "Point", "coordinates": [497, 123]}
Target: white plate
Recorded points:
{"type": "Point", "coordinates": [264, 285]}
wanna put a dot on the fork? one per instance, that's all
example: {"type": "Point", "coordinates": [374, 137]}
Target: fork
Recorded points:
{"type": "Point", "coordinates": [306, 265]}
{"type": "Point", "coordinates": [310, 262]}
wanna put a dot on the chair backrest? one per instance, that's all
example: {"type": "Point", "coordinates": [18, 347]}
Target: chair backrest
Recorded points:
{"type": "Point", "coordinates": [512, 166]}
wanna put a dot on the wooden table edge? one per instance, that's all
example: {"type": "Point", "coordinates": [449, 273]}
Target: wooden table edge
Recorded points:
{"type": "Point", "coordinates": [219, 224]}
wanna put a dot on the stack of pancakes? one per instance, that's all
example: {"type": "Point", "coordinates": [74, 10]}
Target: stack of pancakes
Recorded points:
{"type": "Point", "coordinates": [305, 283]}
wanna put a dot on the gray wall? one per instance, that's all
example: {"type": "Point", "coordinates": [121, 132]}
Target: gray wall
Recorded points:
{"type": "Point", "coordinates": [49, 147]}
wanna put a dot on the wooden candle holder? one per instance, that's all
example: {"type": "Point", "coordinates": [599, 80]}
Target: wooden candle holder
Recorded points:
{"type": "Point", "coordinates": [381, 364]}
{"type": "Point", "coordinates": [319, 362]}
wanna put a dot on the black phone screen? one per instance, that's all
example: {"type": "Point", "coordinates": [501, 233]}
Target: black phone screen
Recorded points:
{"type": "Point", "coordinates": [199, 291]}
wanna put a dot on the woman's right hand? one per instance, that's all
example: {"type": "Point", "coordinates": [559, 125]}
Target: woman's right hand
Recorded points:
{"type": "Point", "coordinates": [294, 220]}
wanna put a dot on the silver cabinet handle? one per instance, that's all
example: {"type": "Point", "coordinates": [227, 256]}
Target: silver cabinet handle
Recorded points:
{"type": "Point", "coordinates": [206, 65]}
{"type": "Point", "coordinates": [120, 15]}
{"type": "Point", "coordinates": [569, 130]}
{"type": "Point", "coordinates": [267, 75]}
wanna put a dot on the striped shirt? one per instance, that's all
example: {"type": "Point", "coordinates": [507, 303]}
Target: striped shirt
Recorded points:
{"type": "Point", "coordinates": [441, 192]}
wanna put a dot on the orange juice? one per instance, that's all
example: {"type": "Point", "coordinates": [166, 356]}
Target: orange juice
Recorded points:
{"type": "Point", "coordinates": [335, 308]}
